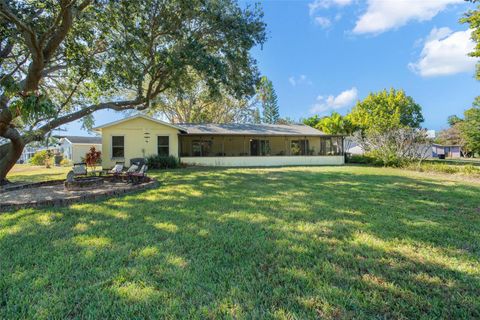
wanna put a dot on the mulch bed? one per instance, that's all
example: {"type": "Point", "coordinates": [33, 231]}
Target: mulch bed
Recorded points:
{"type": "Point", "coordinates": [53, 193]}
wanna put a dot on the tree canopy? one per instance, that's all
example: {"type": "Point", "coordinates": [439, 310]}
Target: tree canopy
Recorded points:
{"type": "Point", "coordinates": [472, 18]}
{"type": "Point", "coordinates": [335, 124]}
{"type": "Point", "coordinates": [311, 121]}
{"type": "Point", "coordinates": [470, 128]}
{"type": "Point", "coordinates": [385, 111]}
{"type": "Point", "coordinates": [63, 60]}
{"type": "Point", "coordinates": [464, 131]}
{"type": "Point", "coordinates": [194, 102]}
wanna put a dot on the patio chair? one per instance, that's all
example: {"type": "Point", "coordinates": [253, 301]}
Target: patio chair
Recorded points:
{"type": "Point", "coordinates": [139, 176]}
{"type": "Point", "coordinates": [138, 161]}
{"type": "Point", "coordinates": [116, 171]}
{"type": "Point", "coordinates": [79, 169]}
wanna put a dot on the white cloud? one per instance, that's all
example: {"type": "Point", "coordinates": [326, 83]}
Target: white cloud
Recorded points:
{"type": "Point", "coordinates": [302, 79]}
{"type": "Point", "coordinates": [317, 5]}
{"type": "Point", "coordinates": [344, 99]}
{"type": "Point", "coordinates": [325, 4]}
{"type": "Point", "coordinates": [323, 22]}
{"type": "Point", "coordinates": [292, 81]}
{"type": "Point", "coordinates": [444, 53]}
{"type": "Point", "coordinates": [384, 15]}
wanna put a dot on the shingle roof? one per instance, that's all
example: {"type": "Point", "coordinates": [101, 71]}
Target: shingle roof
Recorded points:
{"type": "Point", "coordinates": [251, 129]}
{"type": "Point", "coordinates": [85, 140]}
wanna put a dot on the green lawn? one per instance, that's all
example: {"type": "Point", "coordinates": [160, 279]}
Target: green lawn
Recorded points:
{"type": "Point", "coordinates": [286, 243]}
{"type": "Point", "coordinates": [28, 173]}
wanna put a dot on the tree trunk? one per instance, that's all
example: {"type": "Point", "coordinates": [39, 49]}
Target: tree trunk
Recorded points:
{"type": "Point", "coordinates": [10, 153]}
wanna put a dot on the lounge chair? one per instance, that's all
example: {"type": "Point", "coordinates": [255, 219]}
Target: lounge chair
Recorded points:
{"type": "Point", "coordinates": [116, 171]}
{"type": "Point", "coordinates": [139, 176]}
{"type": "Point", "coordinates": [123, 176]}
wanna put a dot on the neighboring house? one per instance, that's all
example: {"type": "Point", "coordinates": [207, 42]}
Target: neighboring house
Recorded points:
{"type": "Point", "coordinates": [444, 151]}
{"type": "Point", "coordinates": [219, 144]}
{"type": "Point", "coordinates": [74, 148]}
{"type": "Point", "coordinates": [27, 154]}
{"type": "Point", "coordinates": [351, 147]}
{"type": "Point", "coordinates": [355, 150]}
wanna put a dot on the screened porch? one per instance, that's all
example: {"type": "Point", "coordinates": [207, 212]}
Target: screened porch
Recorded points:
{"type": "Point", "coordinates": [257, 146]}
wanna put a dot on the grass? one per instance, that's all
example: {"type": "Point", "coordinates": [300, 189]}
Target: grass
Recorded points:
{"type": "Point", "coordinates": [28, 173]}
{"type": "Point", "coordinates": [446, 168]}
{"type": "Point", "coordinates": [457, 161]}
{"type": "Point", "coordinates": [283, 243]}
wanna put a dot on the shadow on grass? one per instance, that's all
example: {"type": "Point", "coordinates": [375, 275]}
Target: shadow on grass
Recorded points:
{"type": "Point", "coordinates": [293, 243]}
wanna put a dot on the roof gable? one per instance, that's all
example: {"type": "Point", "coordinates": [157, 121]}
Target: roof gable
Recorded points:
{"type": "Point", "coordinates": [137, 116]}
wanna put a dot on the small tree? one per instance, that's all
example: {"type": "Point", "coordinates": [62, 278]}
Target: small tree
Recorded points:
{"type": "Point", "coordinates": [312, 121]}
{"type": "Point", "coordinates": [470, 128]}
{"type": "Point", "coordinates": [93, 158]}
{"type": "Point", "coordinates": [335, 124]}
{"type": "Point", "coordinates": [396, 147]}
{"type": "Point", "coordinates": [49, 159]}
{"type": "Point", "coordinates": [268, 99]}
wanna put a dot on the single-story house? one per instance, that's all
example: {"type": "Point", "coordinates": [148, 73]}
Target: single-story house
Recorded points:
{"type": "Point", "coordinates": [140, 136]}
{"type": "Point", "coordinates": [74, 148]}
{"type": "Point", "coordinates": [444, 151]}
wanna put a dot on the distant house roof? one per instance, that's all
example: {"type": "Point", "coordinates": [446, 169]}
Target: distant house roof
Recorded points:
{"type": "Point", "coordinates": [251, 129]}
{"type": "Point", "coordinates": [82, 140]}
{"type": "Point", "coordinates": [446, 145]}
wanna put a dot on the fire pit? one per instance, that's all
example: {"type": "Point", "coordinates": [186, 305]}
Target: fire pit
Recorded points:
{"type": "Point", "coordinates": [79, 184]}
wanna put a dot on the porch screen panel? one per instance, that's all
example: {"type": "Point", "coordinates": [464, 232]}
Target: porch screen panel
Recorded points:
{"type": "Point", "coordinates": [331, 146]}
{"type": "Point", "coordinates": [259, 147]}
{"type": "Point", "coordinates": [201, 148]}
{"type": "Point", "coordinates": [299, 147]}
{"type": "Point", "coordinates": [337, 148]}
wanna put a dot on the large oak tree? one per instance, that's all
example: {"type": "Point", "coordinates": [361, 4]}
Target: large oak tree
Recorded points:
{"type": "Point", "coordinates": [62, 60]}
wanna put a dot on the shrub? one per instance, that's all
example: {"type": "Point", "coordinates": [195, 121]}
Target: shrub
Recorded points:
{"type": "Point", "coordinates": [38, 158]}
{"type": "Point", "coordinates": [468, 170]}
{"type": "Point", "coordinates": [364, 159]}
{"type": "Point", "coordinates": [162, 162]}
{"type": "Point", "coordinates": [65, 162]}
{"type": "Point", "coordinates": [93, 158]}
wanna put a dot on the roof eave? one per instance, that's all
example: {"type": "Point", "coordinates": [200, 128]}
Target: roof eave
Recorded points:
{"type": "Point", "coordinates": [99, 128]}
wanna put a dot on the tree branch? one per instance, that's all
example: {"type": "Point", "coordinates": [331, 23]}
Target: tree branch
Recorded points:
{"type": "Point", "coordinates": [117, 106]}
{"type": "Point", "coordinates": [6, 12]}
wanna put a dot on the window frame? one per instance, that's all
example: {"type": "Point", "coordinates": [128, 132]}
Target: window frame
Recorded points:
{"type": "Point", "coordinates": [163, 146]}
{"type": "Point", "coordinates": [112, 146]}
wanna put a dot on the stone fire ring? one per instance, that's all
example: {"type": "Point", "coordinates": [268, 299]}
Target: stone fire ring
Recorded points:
{"type": "Point", "coordinates": [83, 183]}
{"type": "Point", "coordinates": [55, 194]}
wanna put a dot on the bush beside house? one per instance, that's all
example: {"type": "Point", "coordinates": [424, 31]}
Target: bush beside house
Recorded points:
{"type": "Point", "coordinates": [162, 162]}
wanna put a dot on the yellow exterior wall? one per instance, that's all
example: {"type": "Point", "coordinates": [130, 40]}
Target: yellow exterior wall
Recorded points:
{"type": "Point", "coordinates": [80, 150]}
{"type": "Point", "coordinates": [135, 146]}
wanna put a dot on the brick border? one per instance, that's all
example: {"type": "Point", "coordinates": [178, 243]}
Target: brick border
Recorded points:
{"type": "Point", "coordinates": [30, 185]}
{"type": "Point", "coordinates": [83, 198]}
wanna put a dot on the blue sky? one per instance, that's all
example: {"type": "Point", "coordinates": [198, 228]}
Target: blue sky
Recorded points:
{"type": "Point", "coordinates": [324, 55]}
